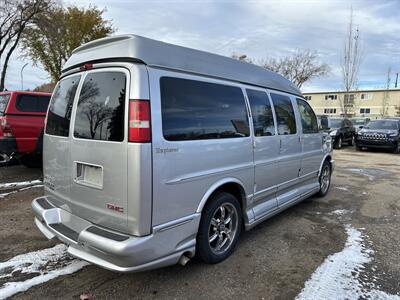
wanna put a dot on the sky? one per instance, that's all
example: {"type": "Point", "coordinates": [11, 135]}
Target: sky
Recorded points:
{"type": "Point", "coordinates": [259, 29]}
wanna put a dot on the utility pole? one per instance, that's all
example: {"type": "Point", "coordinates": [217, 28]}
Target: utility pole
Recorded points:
{"type": "Point", "coordinates": [22, 76]}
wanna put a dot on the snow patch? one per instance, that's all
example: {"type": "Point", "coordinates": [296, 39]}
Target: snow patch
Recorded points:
{"type": "Point", "coordinates": [11, 185]}
{"type": "Point", "coordinates": [338, 276]}
{"type": "Point", "coordinates": [46, 264]}
{"type": "Point", "coordinates": [340, 212]}
{"type": "Point", "coordinates": [342, 188]}
{"type": "Point", "coordinates": [362, 172]}
{"type": "Point", "coordinates": [23, 189]}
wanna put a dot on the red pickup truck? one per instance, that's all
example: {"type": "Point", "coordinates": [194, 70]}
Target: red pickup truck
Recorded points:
{"type": "Point", "coordinates": [22, 117]}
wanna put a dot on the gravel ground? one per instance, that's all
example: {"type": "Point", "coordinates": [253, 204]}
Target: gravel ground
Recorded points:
{"type": "Point", "coordinates": [272, 261]}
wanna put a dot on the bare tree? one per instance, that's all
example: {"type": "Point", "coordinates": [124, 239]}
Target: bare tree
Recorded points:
{"type": "Point", "coordinates": [15, 16]}
{"type": "Point", "coordinates": [299, 67]}
{"type": "Point", "coordinates": [350, 65]}
{"type": "Point", "coordinates": [386, 95]}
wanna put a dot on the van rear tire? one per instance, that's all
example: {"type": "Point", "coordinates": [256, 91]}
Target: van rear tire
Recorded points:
{"type": "Point", "coordinates": [220, 228]}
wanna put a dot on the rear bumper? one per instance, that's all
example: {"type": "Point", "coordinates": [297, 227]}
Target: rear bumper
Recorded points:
{"type": "Point", "coordinates": [113, 250]}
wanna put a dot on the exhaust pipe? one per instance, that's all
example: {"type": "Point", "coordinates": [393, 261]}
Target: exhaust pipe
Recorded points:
{"type": "Point", "coordinates": [183, 260]}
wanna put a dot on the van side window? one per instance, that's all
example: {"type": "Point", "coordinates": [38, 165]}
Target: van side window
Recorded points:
{"type": "Point", "coordinates": [308, 118]}
{"type": "Point", "coordinates": [32, 103]}
{"type": "Point", "coordinates": [196, 110]}
{"type": "Point", "coordinates": [101, 107]}
{"type": "Point", "coordinates": [263, 120]}
{"type": "Point", "coordinates": [284, 114]}
{"type": "Point", "coordinates": [59, 115]}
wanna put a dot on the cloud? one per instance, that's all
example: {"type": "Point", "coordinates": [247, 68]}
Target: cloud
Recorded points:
{"type": "Point", "coordinates": [261, 29]}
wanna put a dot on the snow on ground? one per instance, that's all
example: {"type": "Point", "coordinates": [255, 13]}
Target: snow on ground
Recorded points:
{"type": "Point", "coordinates": [19, 184]}
{"type": "Point", "coordinates": [342, 188]}
{"type": "Point", "coordinates": [339, 212]}
{"type": "Point", "coordinates": [23, 189]}
{"type": "Point", "coordinates": [40, 266]}
{"type": "Point", "coordinates": [338, 276]}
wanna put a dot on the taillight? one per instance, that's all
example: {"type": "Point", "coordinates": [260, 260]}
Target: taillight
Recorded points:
{"type": "Point", "coordinates": [5, 127]}
{"type": "Point", "coordinates": [139, 121]}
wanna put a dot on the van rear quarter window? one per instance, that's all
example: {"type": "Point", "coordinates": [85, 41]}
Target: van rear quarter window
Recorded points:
{"type": "Point", "coordinates": [3, 102]}
{"type": "Point", "coordinates": [284, 114]}
{"type": "Point", "coordinates": [32, 103]}
{"type": "Point", "coordinates": [101, 107]}
{"type": "Point", "coordinates": [197, 110]}
{"type": "Point", "coordinates": [59, 116]}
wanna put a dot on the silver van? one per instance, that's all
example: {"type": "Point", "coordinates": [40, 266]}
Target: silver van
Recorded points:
{"type": "Point", "coordinates": [154, 153]}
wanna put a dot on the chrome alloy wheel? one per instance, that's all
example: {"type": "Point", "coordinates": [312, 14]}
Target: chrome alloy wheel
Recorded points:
{"type": "Point", "coordinates": [223, 228]}
{"type": "Point", "coordinates": [325, 178]}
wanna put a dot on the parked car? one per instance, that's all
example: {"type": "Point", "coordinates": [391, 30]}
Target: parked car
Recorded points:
{"type": "Point", "coordinates": [383, 133]}
{"type": "Point", "coordinates": [359, 123]}
{"type": "Point", "coordinates": [154, 153]}
{"type": "Point", "coordinates": [340, 129]}
{"type": "Point", "coordinates": [22, 116]}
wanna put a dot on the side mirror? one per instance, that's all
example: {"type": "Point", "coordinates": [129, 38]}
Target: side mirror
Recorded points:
{"type": "Point", "coordinates": [361, 127]}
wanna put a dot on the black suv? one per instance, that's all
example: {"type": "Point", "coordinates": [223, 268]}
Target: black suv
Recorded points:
{"type": "Point", "coordinates": [383, 133]}
{"type": "Point", "coordinates": [340, 129]}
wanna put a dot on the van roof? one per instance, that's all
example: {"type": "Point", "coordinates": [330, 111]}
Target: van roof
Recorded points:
{"type": "Point", "coordinates": [159, 54]}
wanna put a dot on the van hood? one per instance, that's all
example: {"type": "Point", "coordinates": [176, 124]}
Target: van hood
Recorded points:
{"type": "Point", "coordinates": [384, 131]}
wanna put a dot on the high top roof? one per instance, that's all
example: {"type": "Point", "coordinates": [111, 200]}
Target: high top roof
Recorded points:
{"type": "Point", "coordinates": [159, 54]}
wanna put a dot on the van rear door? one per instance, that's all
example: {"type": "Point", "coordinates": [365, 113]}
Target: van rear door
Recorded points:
{"type": "Point", "coordinates": [99, 148]}
{"type": "Point", "coordinates": [56, 144]}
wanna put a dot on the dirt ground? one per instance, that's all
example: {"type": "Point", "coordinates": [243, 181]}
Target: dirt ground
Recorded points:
{"type": "Point", "coordinates": [272, 261]}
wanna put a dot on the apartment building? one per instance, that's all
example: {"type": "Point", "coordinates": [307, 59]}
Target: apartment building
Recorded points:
{"type": "Point", "coordinates": [363, 103]}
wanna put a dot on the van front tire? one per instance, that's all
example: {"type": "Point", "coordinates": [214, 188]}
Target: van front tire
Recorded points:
{"type": "Point", "coordinates": [325, 179]}
{"type": "Point", "coordinates": [220, 227]}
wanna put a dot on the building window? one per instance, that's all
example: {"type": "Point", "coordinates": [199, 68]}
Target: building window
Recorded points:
{"type": "Point", "coordinates": [365, 110]}
{"type": "Point", "coordinates": [330, 97]}
{"type": "Point", "coordinates": [366, 96]}
{"type": "Point", "coordinates": [308, 98]}
{"type": "Point", "coordinates": [330, 111]}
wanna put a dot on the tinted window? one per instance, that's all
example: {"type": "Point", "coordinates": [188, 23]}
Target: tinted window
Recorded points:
{"type": "Point", "coordinates": [193, 110]}
{"type": "Point", "coordinates": [263, 119]}
{"type": "Point", "coordinates": [284, 114]}
{"type": "Point", "coordinates": [3, 102]}
{"type": "Point", "coordinates": [335, 123]}
{"type": "Point", "coordinates": [100, 110]}
{"type": "Point", "coordinates": [59, 115]}
{"type": "Point", "coordinates": [32, 103]}
{"type": "Point", "coordinates": [308, 118]}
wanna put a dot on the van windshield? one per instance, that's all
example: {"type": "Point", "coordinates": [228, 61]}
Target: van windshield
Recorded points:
{"type": "Point", "coordinates": [3, 102]}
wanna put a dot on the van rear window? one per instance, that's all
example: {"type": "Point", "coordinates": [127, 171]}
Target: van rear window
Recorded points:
{"type": "Point", "coordinates": [32, 103]}
{"type": "Point", "coordinates": [196, 110]}
{"type": "Point", "coordinates": [59, 115]}
{"type": "Point", "coordinates": [100, 110]}
{"type": "Point", "coordinates": [3, 102]}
